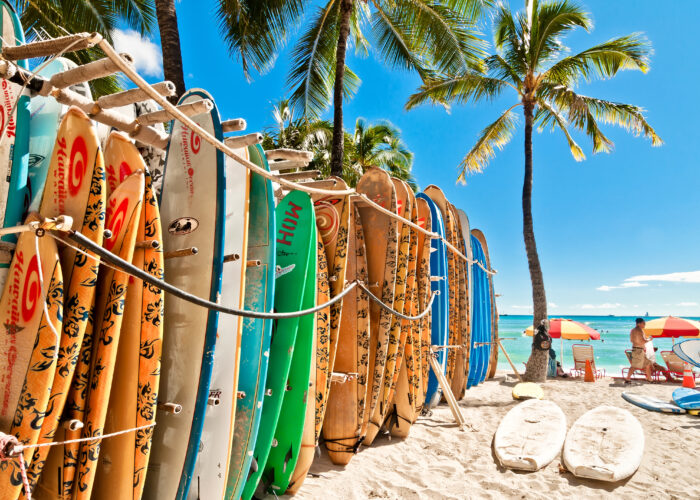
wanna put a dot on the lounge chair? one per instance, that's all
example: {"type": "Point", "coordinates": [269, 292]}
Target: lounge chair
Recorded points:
{"type": "Point", "coordinates": [583, 353]}
{"type": "Point", "coordinates": [655, 374]}
{"type": "Point", "coordinates": [675, 364]}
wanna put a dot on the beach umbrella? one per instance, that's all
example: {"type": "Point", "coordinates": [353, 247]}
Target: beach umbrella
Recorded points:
{"type": "Point", "coordinates": [672, 327]}
{"type": "Point", "coordinates": [561, 328]}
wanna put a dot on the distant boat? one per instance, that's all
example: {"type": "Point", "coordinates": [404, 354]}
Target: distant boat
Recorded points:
{"type": "Point", "coordinates": [646, 314]}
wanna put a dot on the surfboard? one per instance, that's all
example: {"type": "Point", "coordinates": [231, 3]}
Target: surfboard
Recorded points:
{"type": "Point", "coordinates": [481, 326]}
{"type": "Point", "coordinates": [423, 219]}
{"type": "Point", "coordinates": [527, 390]}
{"type": "Point", "coordinates": [466, 242]}
{"type": "Point", "coordinates": [152, 156]}
{"type": "Point", "coordinates": [76, 187]}
{"type": "Point", "coordinates": [382, 250]}
{"type": "Point", "coordinates": [686, 398]}
{"type": "Point", "coordinates": [31, 308]}
{"type": "Point", "coordinates": [255, 344]}
{"type": "Point", "coordinates": [688, 351]}
{"type": "Point", "coordinates": [345, 412]}
{"type": "Point", "coordinates": [320, 373]}
{"type": "Point", "coordinates": [211, 469]}
{"type": "Point", "coordinates": [299, 392]}
{"type": "Point", "coordinates": [14, 141]}
{"type": "Point", "coordinates": [652, 403]}
{"type": "Point", "coordinates": [124, 208]}
{"type": "Point", "coordinates": [397, 339]}
{"type": "Point", "coordinates": [530, 436]}
{"type": "Point", "coordinates": [121, 469]}
{"type": "Point", "coordinates": [605, 443]}
{"type": "Point", "coordinates": [462, 363]}
{"type": "Point", "coordinates": [440, 310]}
{"type": "Point", "coordinates": [295, 240]}
{"type": "Point", "coordinates": [193, 209]}
{"type": "Point", "coordinates": [487, 301]}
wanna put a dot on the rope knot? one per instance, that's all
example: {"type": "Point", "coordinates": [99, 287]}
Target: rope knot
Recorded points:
{"type": "Point", "coordinates": [9, 447]}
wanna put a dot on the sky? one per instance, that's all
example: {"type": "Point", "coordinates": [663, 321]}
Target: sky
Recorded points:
{"type": "Point", "coordinates": [617, 233]}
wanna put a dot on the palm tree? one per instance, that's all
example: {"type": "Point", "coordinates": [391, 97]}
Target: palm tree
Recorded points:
{"type": "Point", "coordinates": [420, 35]}
{"type": "Point", "coordinates": [54, 18]}
{"type": "Point", "coordinates": [170, 46]}
{"type": "Point", "coordinates": [530, 60]}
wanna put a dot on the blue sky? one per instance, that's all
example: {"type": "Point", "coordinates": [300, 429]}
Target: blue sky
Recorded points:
{"type": "Point", "coordinates": [617, 234]}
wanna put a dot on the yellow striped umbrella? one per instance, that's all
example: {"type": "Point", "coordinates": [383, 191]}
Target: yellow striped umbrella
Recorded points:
{"type": "Point", "coordinates": [673, 327]}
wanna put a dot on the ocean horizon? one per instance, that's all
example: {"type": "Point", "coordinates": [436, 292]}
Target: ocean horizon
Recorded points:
{"type": "Point", "coordinates": [609, 351]}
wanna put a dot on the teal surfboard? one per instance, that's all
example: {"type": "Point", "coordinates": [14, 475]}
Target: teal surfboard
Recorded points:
{"type": "Point", "coordinates": [686, 398]}
{"type": "Point", "coordinates": [14, 143]}
{"type": "Point", "coordinates": [295, 239]}
{"type": "Point", "coordinates": [255, 343]}
{"type": "Point", "coordinates": [480, 316]}
{"type": "Point", "coordinates": [285, 452]}
{"type": "Point", "coordinates": [440, 310]}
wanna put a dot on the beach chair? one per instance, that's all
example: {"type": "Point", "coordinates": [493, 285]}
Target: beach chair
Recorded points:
{"type": "Point", "coordinates": [583, 353]}
{"type": "Point", "coordinates": [655, 374]}
{"type": "Point", "coordinates": [675, 365]}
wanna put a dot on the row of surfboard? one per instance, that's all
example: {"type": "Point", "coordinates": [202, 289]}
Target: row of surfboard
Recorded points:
{"type": "Point", "coordinates": [88, 350]}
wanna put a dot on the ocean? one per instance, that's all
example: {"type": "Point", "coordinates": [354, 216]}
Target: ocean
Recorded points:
{"type": "Point", "coordinates": [609, 351]}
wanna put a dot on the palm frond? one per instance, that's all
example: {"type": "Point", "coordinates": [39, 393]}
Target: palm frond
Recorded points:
{"type": "Point", "coordinates": [360, 16]}
{"type": "Point", "coordinates": [500, 69]}
{"type": "Point", "coordinates": [603, 60]}
{"type": "Point", "coordinates": [550, 21]}
{"type": "Point", "coordinates": [509, 39]}
{"type": "Point", "coordinates": [460, 89]}
{"type": "Point", "coordinates": [547, 114]}
{"type": "Point", "coordinates": [493, 137]}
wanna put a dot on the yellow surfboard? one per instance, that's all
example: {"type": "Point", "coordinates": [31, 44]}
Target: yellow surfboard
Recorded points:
{"type": "Point", "coordinates": [30, 312]}
{"type": "Point", "coordinates": [124, 209]}
{"type": "Point", "coordinates": [133, 398]}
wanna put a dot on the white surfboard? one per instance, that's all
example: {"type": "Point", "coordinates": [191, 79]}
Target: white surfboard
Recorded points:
{"type": "Point", "coordinates": [530, 436]}
{"type": "Point", "coordinates": [688, 351]}
{"type": "Point", "coordinates": [605, 443]}
{"type": "Point", "coordinates": [211, 469]}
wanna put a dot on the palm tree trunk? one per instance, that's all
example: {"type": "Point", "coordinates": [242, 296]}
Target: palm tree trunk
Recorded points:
{"type": "Point", "coordinates": [170, 46]}
{"type": "Point", "coordinates": [338, 132]}
{"type": "Point", "coordinates": [536, 369]}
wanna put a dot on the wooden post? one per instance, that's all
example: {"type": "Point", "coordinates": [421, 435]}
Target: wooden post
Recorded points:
{"type": "Point", "coordinates": [509, 361]}
{"type": "Point", "coordinates": [446, 390]}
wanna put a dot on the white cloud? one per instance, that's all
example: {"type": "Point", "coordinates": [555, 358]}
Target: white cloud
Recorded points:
{"type": "Point", "coordinates": [688, 304]}
{"type": "Point", "coordinates": [147, 55]}
{"type": "Point", "coordinates": [552, 305]}
{"type": "Point", "coordinates": [606, 305]}
{"type": "Point", "coordinates": [682, 277]}
{"type": "Point", "coordinates": [626, 284]}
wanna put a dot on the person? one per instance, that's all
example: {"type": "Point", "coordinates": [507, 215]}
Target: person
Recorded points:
{"type": "Point", "coordinates": [643, 353]}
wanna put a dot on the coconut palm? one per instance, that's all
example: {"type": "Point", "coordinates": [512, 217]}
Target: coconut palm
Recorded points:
{"type": "Point", "coordinates": [530, 60]}
{"type": "Point", "coordinates": [170, 46]}
{"type": "Point", "coordinates": [420, 35]}
{"type": "Point", "coordinates": [54, 18]}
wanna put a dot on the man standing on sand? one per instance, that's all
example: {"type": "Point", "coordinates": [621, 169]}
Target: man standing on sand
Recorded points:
{"type": "Point", "coordinates": [643, 357]}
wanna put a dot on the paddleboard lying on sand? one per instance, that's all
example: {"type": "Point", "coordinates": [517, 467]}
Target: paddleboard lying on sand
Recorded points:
{"type": "Point", "coordinates": [651, 403]}
{"type": "Point", "coordinates": [688, 351]}
{"type": "Point", "coordinates": [530, 436]}
{"type": "Point", "coordinates": [193, 209]}
{"type": "Point", "coordinates": [30, 312]}
{"type": "Point", "coordinates": [686, 398]}
{"type": "Point", "coordinates": [255, 344]}
{"type": "Point", "coordinates": [605, 443]}
{"type": "Point", "coordinates": [440, 310]}
{"type": "Point", "coordinates": [527, 390]}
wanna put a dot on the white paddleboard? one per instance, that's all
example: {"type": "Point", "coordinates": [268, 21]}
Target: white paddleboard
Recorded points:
{"type": "Point", "coordinates": [605, 443]}
{"type": "Point", "coordinates": [530, 436]}
{"type": "Point", "coordinates": [688, 351]}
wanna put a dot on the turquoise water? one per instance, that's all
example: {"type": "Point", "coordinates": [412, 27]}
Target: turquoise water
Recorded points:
{"type": "Point", "coordinates": [609, 351]}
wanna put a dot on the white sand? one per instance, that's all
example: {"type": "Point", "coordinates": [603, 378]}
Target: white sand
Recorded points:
{"type": "Point", "coordinates": [439, 461]}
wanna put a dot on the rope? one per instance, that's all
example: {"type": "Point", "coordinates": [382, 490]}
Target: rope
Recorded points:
{"type": "Point", "coordinates": [395, 312]}
{"type": "Point", "coordinates": [135, 272]}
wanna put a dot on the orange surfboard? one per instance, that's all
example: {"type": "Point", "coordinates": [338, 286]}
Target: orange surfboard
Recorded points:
{"type": "Point", "coordinates": [424, 291]}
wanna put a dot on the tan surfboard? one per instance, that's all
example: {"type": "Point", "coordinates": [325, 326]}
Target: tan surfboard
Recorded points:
{"type": "Point", "coordinates": [124, 208]}
{"type": "Point", "coordinates": [30, 312]}
{"type": "Point", "coordinates": [132, 403]}
{"type": "Point", "coordinates": [344, 421]}
{"type": "Point", "coordinates": [459, 385]}
{"type": "Point", "coordinates": [402, 407]}
{"type": "Point", "coordinates": [424, 290]}
{"type": "Point", "coordinates": [436, 194]}
{"type": "Point", "coordinates": [382, 253]}
{"type": "Point", "coordinates": [319, 375]}
{"type": "Point", "coordinates": [75, 186]}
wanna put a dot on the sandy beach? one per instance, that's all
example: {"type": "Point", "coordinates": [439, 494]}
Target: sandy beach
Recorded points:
{"type": "Point", "coordinates": [439, 461]}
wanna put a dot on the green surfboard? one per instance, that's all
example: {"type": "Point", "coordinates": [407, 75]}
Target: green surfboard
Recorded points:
{"type": "Point", "coordinates": [295, 237]}
{"type": "Point", "coordinates": [285, 453]}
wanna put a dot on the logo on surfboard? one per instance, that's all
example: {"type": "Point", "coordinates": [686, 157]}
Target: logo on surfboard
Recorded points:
{"type": "Point", "coordinates": [183, 225]}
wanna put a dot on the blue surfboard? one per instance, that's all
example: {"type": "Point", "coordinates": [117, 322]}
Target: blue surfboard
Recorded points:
{"type": "Point", "coordinates": [485, 306]}
{"type": "Point", "coordinates": [651, 403]}
{"type": "Point", "coordinates": [686, 398]}
{"type": "Point", "coordinates": [481, 318]}
{"type": "Point", "coordinates": [438, 269]}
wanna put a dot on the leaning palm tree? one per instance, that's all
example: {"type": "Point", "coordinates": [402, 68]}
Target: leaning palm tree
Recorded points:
{"type": "Point", "coordinates": [420, 35]}
{"type": "Point", "coordinates": [54, 18]}
{"type": "Point", "coordinates": [530, 61]}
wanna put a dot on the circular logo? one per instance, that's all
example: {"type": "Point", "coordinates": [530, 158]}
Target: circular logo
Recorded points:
{"type": "Point", "coordinates": [195, 143]}
{"type": "Point", "coordinates": [77, 165]}
{"type": "Point", "coordinates": [327, 221]}
{"type": "Point", "coordinates": [183, 225]}
{"type": "Point", "coordinates": [115, 221]}
{"type": "Point", "coordinates": [32, 290]}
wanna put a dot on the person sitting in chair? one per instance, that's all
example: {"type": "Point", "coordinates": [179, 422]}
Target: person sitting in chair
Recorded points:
{"type": "Point", "coordinates": [643, 353]}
